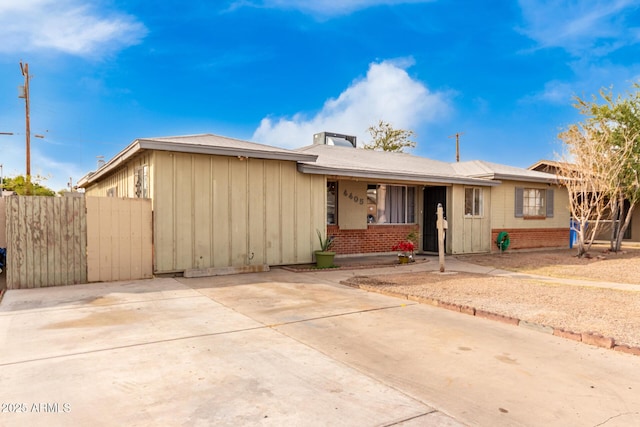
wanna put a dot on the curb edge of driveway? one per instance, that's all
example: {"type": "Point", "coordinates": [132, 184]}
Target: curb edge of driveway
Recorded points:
{"type": "Point", "coordinates": [590, 338]}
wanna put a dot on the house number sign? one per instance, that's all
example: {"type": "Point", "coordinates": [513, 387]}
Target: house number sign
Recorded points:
{"type": "Point", "coordinates": [355, 199]}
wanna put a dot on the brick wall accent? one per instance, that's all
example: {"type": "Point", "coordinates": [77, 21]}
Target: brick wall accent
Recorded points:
{"type": "Point", "coordinates": [376, 238]}
{"type": "Point", "coordinates": [532, 238]}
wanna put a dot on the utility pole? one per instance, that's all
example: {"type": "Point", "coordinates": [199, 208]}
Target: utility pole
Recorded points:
{"type": "Point", "coordinates": [25, 94]}
{"type": "Point", "coordinates": [457, 136]}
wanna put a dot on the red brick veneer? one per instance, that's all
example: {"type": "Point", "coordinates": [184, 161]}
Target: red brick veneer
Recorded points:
{"type": "Point", "coordinates": [376, 238]}
{"type": "Point", "coordinates": [532, 238]}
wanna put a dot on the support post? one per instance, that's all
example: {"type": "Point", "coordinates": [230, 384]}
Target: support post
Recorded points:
{"type": "Point", "coordinates": [440, 225]}
{"type": "Point", "coordinates": [25, 72]}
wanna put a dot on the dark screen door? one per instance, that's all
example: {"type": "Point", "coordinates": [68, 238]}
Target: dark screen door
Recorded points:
{"type": "Point", "coordinates": [432, 196]}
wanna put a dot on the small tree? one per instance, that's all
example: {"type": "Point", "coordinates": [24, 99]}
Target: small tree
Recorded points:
{"type": "Point", "coordinates": [589, 170]}
{"type": "Point", "coordinates": [19, 185]}
{"type": "Point", "coordinates": [619, 119]}
{"type": "Point", "coordinates": [385, 138]}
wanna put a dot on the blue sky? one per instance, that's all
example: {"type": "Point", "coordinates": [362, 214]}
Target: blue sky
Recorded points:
{"type": "Point", "coordinates": [277, 71]}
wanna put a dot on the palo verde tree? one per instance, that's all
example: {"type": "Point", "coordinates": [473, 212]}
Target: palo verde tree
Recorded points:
{"type": "Point", "coordinates": [385, 138]}
{"type": "Point", "coordinates": [617, 121]}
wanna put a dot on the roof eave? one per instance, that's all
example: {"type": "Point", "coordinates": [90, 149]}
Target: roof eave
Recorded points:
{"type": "Point", "coordinates": [507, 177]}
{"type": "Point", "coordinates": [147, 144]}
{"type": "Point", "coordinates": [116, 161]}
{"type": "Point", "coordinates": [393, 176]}
{"type": "Point", "coordinates": [225, 151]}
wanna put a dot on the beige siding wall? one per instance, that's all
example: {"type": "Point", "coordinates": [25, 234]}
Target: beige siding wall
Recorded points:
{"type": "Point", "coordinates": [635, 225]}
{"type": "Point", "coordinates": [604, 232]}
{"type": "Point", "coordinates": [123, 178]}
{"type": "Point", "coordinates": [468, 234]}
{"type": "Point", "coordinates": [214, 211]}
{"type": "Point", "coordinates": [352, 215]}
{"type": "Point", "coordinates": [503, 207]}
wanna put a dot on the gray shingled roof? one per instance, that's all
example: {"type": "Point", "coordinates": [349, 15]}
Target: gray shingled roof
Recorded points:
{"type": "Point", "coordinates": [360, 163]}
{"type": "Point", "coordinates": [221, 145]}
{"type": "Point", "coordinates": [488, 170]}
{"type": "Point", "coordinates": [200, 144]}
{"type": "Point", "coordinates": [333, 160]}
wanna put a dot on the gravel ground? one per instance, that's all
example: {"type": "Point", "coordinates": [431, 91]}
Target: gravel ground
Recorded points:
{"type": "Point", "coordinates": [622, 267]}
{"type": "Point", "coordinates": [612, 313]}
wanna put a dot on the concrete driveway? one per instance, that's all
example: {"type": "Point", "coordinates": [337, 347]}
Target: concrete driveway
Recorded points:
{"type": "Point", "coordinates": [282, 348]}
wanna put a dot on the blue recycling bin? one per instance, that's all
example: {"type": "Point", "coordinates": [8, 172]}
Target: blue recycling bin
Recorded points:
{"type": "Point", "coordinates": [573, 234]}
{"type": "Point", "coordinates": [574, 226]}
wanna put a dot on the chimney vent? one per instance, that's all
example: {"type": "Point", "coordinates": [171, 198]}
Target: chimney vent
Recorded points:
{"type": "Point", "coordinates": [337, 139]}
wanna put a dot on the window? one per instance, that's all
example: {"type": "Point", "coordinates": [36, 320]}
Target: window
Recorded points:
{"type": "Point", "coordinates": [534, 203]}
{"type": "Point", "coordinates": [142, 182]}
{"type": "Point", "coordinates": [391, 204]}
{"type": "Point", "coordinates": [473, 201]}
{"type": "Point", "coordinates": [332, 202]}
{"type": "Point", "coordinates": [112, 192]}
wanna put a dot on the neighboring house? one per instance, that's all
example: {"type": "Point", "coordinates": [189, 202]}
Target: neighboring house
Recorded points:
{"type": "Point", "coordinates": [220, 202]}
{"type": "Point", "coordinates": [632, 234]}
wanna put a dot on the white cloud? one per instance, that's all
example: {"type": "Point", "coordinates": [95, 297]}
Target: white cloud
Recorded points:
{"type": "Point", "coordinates": [592, 28]}
{"type": "Point", "coordinates": [323, 8]}
{"type": "Point", "coordinates": [554, 92]}
{"type": "Point", "coordinates": [69, 26]}
{"type": "Point", "coordinates": [588, 78]}
{"type": "Point", "coordinates": [387, 92]}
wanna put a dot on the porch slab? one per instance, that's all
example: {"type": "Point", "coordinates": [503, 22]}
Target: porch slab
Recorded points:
{"type": "Point", "coordinates": [225, 271]}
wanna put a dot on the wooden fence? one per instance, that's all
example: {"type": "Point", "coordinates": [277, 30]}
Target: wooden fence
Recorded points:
{"type": "Point", "coordinates": [119, 244]}
{"type": "Point", "coordinates": [47, 240]}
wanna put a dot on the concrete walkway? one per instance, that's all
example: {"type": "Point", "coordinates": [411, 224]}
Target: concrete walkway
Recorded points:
{"type": "Point", "coordinates": [282, 348]}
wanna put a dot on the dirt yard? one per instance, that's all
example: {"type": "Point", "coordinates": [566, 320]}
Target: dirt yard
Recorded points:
{"type": "Point", "coordinates": [608, 312]}
{"type": "Point", "coordinates": [622, 267]}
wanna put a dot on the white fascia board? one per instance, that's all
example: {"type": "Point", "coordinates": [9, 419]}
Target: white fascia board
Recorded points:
{"type": "Point", "coordinates": [145, 144]}
{"type": "Point", "coordinates": [116, 161]}
{"type": "Point", "coordinates": [226, 151]}
{"type": "Point", "coordinates": [393, 176]}
{"type": "Point", "coordinates": [525, 178]}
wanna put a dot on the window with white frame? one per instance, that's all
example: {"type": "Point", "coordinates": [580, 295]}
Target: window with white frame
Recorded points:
{"type": "Point", "coordinates": [473, 202]}
{"type": "Point", "coordinates": [112, 192]}
{"type": "Point", "coordinates": [142, 182]}
{"type": "Point", "coordinates": [534, 202]}
{"type": "Point", "coordinates": [391, 204]}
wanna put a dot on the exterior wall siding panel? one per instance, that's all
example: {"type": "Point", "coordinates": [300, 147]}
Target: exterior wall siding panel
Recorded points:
{"type": "Point", "coordinates": [273, 220]}
{"type": "Point", "coordinates": [503, 210]}
{"type": "Point", "coordinates": [215, 211]}
{"type": "Point", "coordinates": [122, 179]}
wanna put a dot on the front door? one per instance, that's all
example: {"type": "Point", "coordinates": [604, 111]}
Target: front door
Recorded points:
{"type": "Point", "coordinates": [432, 196]}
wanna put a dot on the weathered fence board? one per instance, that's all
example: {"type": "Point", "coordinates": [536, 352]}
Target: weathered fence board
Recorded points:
{"type": "Point", "coordinates": [46, 241]}
{"type": "Point", "coordinates": [119, 239]}
{"type": "Point", "coordinates": [54, 241]}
